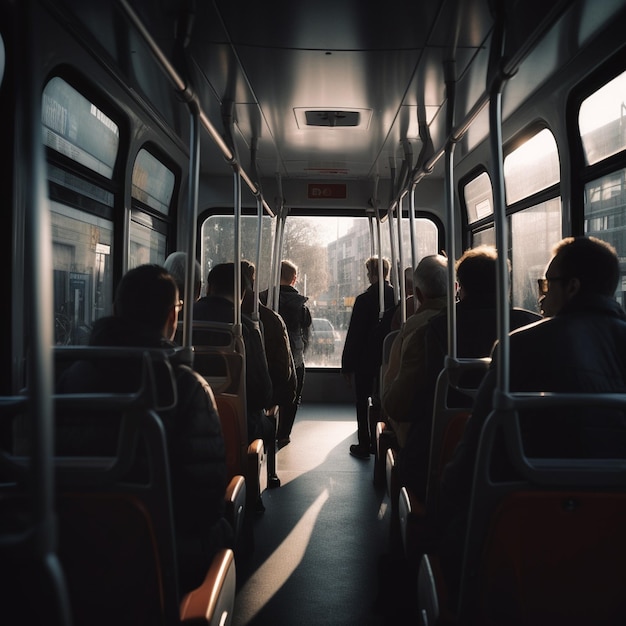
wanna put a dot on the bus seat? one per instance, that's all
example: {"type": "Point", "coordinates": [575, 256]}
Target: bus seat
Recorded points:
{"type": "Point", "coordinates": [385, 439]}
{"type": "Point", "coordinates": [113, 516]}
{"type": "Point", "coordinates": [219, 356]}
{"type": "Point", "coordinates": [235, 510]}
{"type": "Point", "coordinates": [213, 602]}
{"type": "Point", "coordinates": [448, 421]}
{"type": "Point", "coordinates": [546, 543]}
{"type": "Point", "coordinates": [378, 424]}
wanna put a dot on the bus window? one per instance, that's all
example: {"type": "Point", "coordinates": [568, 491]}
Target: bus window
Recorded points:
{"type": "Point", "coordinates": [152, 192]}
{"type": "Point", "coordinates": [78, 129]}
{"type": "Point", "coordinates": [534, 229]}
{"type": "Point", "coordinates": [82, 272]}
{"type": "Point", "coordinates": [603, 134]}
{"type": "Point", "coordinates": [605, 217]}
{"type": "Point", "coordinates": [532, 167]}
{"type": "Point", "coordinates": [478, 196]}
{"type": "Point", "coordinates": [81, 208]}
{"type": "Point", "coordinates": [330, 253]}
{"type": "Point", "coordinates": [601, 121]}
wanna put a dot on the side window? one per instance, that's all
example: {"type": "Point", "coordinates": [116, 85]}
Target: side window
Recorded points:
{"type": "Point", "coordinates": [76, 131]}
{"type": "Point", "coordinates": [533, 208]}
{"type": "Point", "coordinates": [603, 135]}
{"type": "Point", "coordinates": [152, 192]}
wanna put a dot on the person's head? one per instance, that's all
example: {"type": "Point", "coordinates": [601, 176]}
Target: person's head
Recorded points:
{"type": "Point", "coordinates": [176, 265]}
{"type": "Point", "coordinates": [288, 273]}
{"type": "Point", "coordinates": [476, 272]}
{"type": "Point", "coordinates": [580, 265]}
{"type": "Point", "coordinates": [221, 281]}
{"type": "Point", "coordinates": [248, 270]}
{"type": "Point", "coordinates": [371, 265]}
{"type": "Point", "coordinates": [431, 277]}
{"type": "Point", "coordinates": [149, 296]}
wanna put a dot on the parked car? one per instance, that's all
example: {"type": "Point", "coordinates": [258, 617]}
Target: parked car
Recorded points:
{"type": "Point", "coordinates": [323, 337]}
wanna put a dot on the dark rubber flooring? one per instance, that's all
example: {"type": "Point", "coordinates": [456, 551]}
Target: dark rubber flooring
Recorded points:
{"type": "Point", "coordinates": [318, 543]}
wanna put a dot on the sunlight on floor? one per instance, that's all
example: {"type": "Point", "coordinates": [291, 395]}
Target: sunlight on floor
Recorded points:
{"type": "Point", "coordinates": [277, 569]}
{"type": "Point", "coordinates": [311, 446]}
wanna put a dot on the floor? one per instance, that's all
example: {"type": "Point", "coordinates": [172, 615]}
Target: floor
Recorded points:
{"type": "Point", "coordinates": [318, 544]}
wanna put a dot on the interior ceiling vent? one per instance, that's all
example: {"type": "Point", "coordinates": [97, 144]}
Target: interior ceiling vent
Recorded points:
{"type": "Point", "coordinates": [332, 118]}
{"type": "Point", "coordinates": [311, 118]}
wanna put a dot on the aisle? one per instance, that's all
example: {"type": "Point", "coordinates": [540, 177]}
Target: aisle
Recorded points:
{"type": "Point", "coordinates": [318, 542]}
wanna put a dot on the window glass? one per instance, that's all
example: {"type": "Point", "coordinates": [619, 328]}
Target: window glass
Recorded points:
{"type": "Point", "coordinates": [153, 183]}
{"type": "Point", "coordinates": [485, 237]}
{"type": "Point", "coordinates": [532, 167]}
{"type": "Point", "coordinates": [76, 128]}
{"type": "Point", "coordinates": [82, 246]}
{"type": "Point", "coordinates": [601, 121]}
{"type": "Point", "coordinates": [605, 217]}
{"type": "Point", "coordinates": [478, 196]}
{"type": "Point", "coordinates": [147, 245]}
{"type": "Point", "coordinates": [533, 233]}
{"type": "Point", "coordinates": [330, 253]}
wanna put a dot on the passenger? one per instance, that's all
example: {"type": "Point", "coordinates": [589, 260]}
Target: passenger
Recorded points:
{"type": "Point", "coordinates": [409, 301]}
{"type": "Point", "coordinates": [297, 317]}
{"type": "Point", "coordinates": [362, 351]}
{"type": "Point", "coordinates": [176, 265]}
{"type": "Point", "coordinates": [145, 314]}
{"type": "Point", "coordinates": [219, 306]}
{"type": "Point", "coordinates": [476, 319]}
{"type": "Point", "coordinates": [406, 380]}
{"type": "Point", "coordinates": [476, 330]}
{"type": "Point", "coordinates": [280, 363]}
{"type": "Point", "coordinates": [582, 348]}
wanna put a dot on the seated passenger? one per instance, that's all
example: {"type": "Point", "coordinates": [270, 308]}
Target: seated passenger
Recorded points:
{"type": "Point", "coordinates": [176, 265]}
{"type": "Point", "coordinates": [476, 318]}
{"type": "Point", "coordinates": [145, 315]}
{"type": "Point", "coordinates": [219, 306]}
{"type": "Point", "coordinates": [405, 397]}
{"type": "Point", "coordinates": [581, 349]}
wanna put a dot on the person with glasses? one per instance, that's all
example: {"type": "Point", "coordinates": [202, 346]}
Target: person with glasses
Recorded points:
{"type": "Point", "coordinates": [145, 314]}
{"type": "Point", "coordinates": [579, 347]}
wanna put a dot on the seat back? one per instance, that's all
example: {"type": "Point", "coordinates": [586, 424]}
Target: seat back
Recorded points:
{"type": "Point", "coordinates": [545, 544]}
{"type": "Point", "coordinates": [113, 506]}
{"type": "Point", "coordinates": [219, 356]}
{"type": "Point", "coordinates": [448, 422]}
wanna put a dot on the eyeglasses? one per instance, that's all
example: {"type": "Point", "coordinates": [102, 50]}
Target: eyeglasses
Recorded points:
{"type": "Point", "coordinates": [544, 283]}
{"type": "Point", "coordinates": [178, 306]}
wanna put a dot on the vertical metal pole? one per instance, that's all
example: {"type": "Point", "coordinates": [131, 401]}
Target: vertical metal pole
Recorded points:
{"type": "Point", "coordinates": [401, 287]}
{"type": "Point", "coordinates": [450, 218]}
{"type": "Point", "coordinates": [502, 274]}
{"type": "Point", "coordinates": [412, 227]}
{"type": "Point", "coordinates": [257, 261]}
{"type": "Point", "coordinates": [192, 215]}
{"type": "Point", "coordinates": [40, 302]}
{"type": "Point", "coordinates": [237, 259]}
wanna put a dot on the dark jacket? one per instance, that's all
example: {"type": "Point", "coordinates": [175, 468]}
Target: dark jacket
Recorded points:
{"type": "Point", "coordinates": [280, 362]}
{"type": "Point", "coordinates": [476, 334]}
{"type": "Point", "coordinates": [258, 381]}
{"type": "Point", "coordinates": [582, 349]}
{"type": "Point", "coordinates": [297, 317]}
{"type": "Point", "coordinates": [194, 440]}
{"type": "Point", "coordinates": [362, 351]}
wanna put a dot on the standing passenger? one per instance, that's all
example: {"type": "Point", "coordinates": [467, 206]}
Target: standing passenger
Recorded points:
{"type": "Point", "coordinates": [362, 351]}
{"type": "Point", "coordinates": [297, 317]}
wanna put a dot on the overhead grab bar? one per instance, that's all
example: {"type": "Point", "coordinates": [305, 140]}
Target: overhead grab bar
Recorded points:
{"type": "Point", "coordinates": [189, 96]}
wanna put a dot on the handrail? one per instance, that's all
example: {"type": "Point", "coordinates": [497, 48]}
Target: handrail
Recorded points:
{"type": "Point", "coordinates": [188, 95]}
